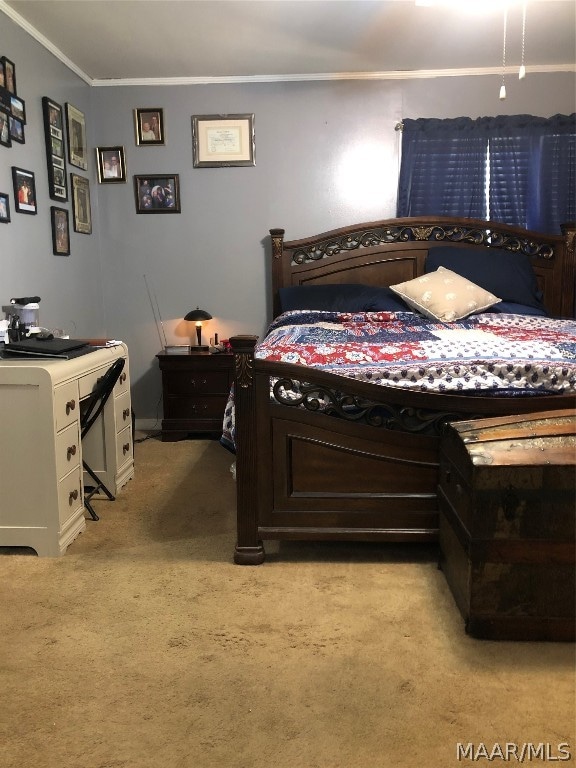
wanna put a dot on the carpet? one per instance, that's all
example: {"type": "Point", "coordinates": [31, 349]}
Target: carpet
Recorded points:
{"type": "Point", "coordinates": [144, 646]}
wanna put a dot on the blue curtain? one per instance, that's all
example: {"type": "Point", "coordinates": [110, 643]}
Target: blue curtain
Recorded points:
{"type": "Point", "coordinates": [531, 163]}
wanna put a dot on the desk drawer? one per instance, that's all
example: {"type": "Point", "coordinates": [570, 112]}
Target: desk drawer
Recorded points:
{"type": "Point", "coordinates": [67, 450]}
{"type": "Point", "coordinates": [90, 380]}
{"type": "Point", "coordinates": [123, 414]}
{"type": "Point", "coordinates": [66, 405]}
{"type": "Point", "coordinates": [69, 495]}
{"type": "Point", "coordinates": [123, 446]}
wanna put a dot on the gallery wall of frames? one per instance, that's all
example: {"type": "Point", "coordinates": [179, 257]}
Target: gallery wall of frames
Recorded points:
{"type": "Point", "coordinates": [217, 141]}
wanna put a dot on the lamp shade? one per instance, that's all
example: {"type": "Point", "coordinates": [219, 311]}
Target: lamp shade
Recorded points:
{"type": "Point", "coordinates": [198, 315]}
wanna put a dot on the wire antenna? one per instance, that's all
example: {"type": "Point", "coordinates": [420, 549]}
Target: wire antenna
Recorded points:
{"type": "Point", "coordinates": [157, 315]}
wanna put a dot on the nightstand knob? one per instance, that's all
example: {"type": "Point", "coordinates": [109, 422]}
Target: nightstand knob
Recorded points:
{"type": "Point", "coordinates": [202, 382]}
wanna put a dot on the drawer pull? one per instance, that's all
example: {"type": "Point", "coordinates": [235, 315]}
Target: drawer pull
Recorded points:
{"type": "Point", "coordinates": [122, 378]}
{"type": "Point", "coordinates": [70, 406]}
{"type": "Point", "coordinates": [202, 382]}
{"type": "Point", "coordinates": [72, 497]}
{"type": "Point", "coordinates": [71, 452]}
{"type": "Point", "coordinates": [125, 413]}
{"type": "Point", "coordinates": [447, 475]}
{"type": "Point", "coordinates": [126, 448]}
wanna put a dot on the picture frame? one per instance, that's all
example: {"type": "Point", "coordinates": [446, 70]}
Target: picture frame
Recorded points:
{"type": "Point", "coordinates": [157, 193]}
{"type": "Point", "coordinates": [60, 231]}
{"type": "Point", "coordinates": [2, 74]}
{"type": "Point", "coordinates": [54, 139]}
{"type": "Point", "coordinates": [4, 208]}
{"type": "Point", "coordinates": [149, 126]}
{"type": "Point", "coordinates": [5, 138]}
{"type": "Point", "coordinates": [81, 208]}
{"type": "Point", "coordinates": [18, 108]}
{"type": "Point", "coordinates": [16, 130]}
{"type": "Point", "coordinates": [5, 99]}
{"type": "Point", "coordinates": [24, 183]}
{"type": "Point", "coordinates": [111, 164]}
{"type": "Point", "coordinates": [76, 137]}
{"type": "Point", "coordinates": [223, 141]}
{"type": "Point", "coordinates": [9, 75]}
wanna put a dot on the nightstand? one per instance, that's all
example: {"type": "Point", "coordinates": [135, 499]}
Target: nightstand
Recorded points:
{"type": "Point", "coordinates": [195, 390]}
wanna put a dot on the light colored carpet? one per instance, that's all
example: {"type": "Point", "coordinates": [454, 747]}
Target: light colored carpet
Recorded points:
{"type": "Point", "coordinates": [145, 647]}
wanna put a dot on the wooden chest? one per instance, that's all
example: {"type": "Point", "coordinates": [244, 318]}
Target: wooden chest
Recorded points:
{"type": "Point", "coordinates": [507, 499]}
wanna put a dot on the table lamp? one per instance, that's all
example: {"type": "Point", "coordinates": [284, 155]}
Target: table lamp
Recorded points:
{"type": "Point", "coordinates": [198, 316]}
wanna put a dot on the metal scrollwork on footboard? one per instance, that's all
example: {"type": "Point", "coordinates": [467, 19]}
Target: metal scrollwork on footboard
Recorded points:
{"type": "Point", "coordinates": [359, 410]}
{"type": "Point", "coordinates": [490, 237]}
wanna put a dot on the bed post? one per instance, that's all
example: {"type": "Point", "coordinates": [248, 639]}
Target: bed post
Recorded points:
{"type": "Point", "coordinates": [249, 549]}
{"type": "Point", "coordinates": [569, 277]}
{"type": "Point", "coordinates": [277, 237]}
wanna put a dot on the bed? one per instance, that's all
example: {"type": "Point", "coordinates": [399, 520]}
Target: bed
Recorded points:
{"type": "Point", "coordinates": [323, 455]}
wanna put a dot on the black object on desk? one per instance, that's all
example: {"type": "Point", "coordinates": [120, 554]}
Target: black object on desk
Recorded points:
{"type": "Point", "coordinates": [44, 347]}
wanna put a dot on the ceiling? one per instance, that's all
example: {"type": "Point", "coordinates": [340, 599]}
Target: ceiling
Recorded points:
{"type": "Point", "coordinates": [108, 41]}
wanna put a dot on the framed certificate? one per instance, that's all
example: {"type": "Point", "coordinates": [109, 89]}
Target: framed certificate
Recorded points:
{"type": "Point", "coordinates": [223, 140]}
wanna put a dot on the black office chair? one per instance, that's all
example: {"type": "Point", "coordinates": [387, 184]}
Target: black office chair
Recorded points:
{"type": "Point", "coordinates": [89, 414]}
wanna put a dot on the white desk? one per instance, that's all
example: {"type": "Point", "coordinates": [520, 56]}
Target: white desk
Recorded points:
{"type": "Point", "coordinates": [41, 477]}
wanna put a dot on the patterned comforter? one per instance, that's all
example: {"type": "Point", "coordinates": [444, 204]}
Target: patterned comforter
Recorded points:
{"type": "Point", "coordinates": [510, 355]}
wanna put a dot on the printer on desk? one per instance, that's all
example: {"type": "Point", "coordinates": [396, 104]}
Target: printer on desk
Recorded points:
{"type": "Point", "coordinates": [21, 318]}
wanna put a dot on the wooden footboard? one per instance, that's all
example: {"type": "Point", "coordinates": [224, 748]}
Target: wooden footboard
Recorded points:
{"type": "Point", "coordinates": [362, 466]}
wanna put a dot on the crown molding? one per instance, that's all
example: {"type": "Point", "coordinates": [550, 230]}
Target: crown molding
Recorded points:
{"type": "Point", "coordinates": [416, 74]}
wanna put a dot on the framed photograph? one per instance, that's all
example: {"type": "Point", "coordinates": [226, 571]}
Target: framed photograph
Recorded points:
{"type": "Point", "coordinates": [18, 108]}
{"type": "Point", "coordinates": [157, 194]}
{"type": "Point", "coordinates": [5, 99]}
{"type": "Point", "coordinates": [2, 75]}
{"type": "Point", "coordinates": [24, 190]}
{"type": "Point", "coordinates": [60, 231]}
{"type": "Point", "coordinates": [81, 208]}
{"type": "Point", "coordinates": [16, 130]}
{"type": "Point", "coordinates": [76, 134]}
{"type": "Point", "coordinates": [223, 140]}
{"type": "Point", "coordinates": [111, 162]}
{"type": "Point", "coordinates": [54, 139]}
{"type": "Point", "coordinates": [5, 138]}
{"type": "Point", "coordinates": [4, 208]}
{"type": "Point", "coordinates": [149, 126]}
{"type": "Point", "coordinates": [9, 75]}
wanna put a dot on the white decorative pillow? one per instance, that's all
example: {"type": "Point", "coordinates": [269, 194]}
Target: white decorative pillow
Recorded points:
{"type": "Point", "coordinates": [445, 295]}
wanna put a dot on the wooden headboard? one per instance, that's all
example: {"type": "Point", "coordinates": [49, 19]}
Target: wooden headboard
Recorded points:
{"type": "Point", "coordinates": [393, 250]}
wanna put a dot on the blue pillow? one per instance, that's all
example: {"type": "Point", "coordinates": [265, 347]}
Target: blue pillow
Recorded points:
{"type": "Point", "coordinates": [503, 273]}
{"type": "Point", "coordinates": [348, 297]}
{"type": "Point", "coordinates": [517, 309]}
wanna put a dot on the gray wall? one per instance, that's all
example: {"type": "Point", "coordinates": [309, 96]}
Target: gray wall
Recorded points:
{"type": "Point", "coordinates": [326, 155]}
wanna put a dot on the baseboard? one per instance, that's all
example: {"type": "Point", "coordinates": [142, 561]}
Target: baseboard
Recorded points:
{"type": "Point", "coordinates": [148, 425]}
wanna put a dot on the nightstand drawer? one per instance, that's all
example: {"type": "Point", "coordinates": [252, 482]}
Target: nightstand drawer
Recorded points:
{"type": "Point", "coordinates": [192, 382]}
{"type": "Point", "coordinates": [191, 407]}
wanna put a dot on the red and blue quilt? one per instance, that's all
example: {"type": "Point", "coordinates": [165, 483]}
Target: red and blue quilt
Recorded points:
{"type": "Point", "coordinates": [489, 351]}
{"type": "Point", "coordinates": [503, 354]}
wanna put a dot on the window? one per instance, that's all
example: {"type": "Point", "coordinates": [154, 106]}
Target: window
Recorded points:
{"type": "Point", "coordinates": [515, 169]}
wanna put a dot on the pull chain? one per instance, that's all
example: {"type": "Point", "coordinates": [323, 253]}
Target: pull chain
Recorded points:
{"type": "Point", "coordinates": [522, 72]}
{"type": "Point", "coordinates": [503, 86]}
